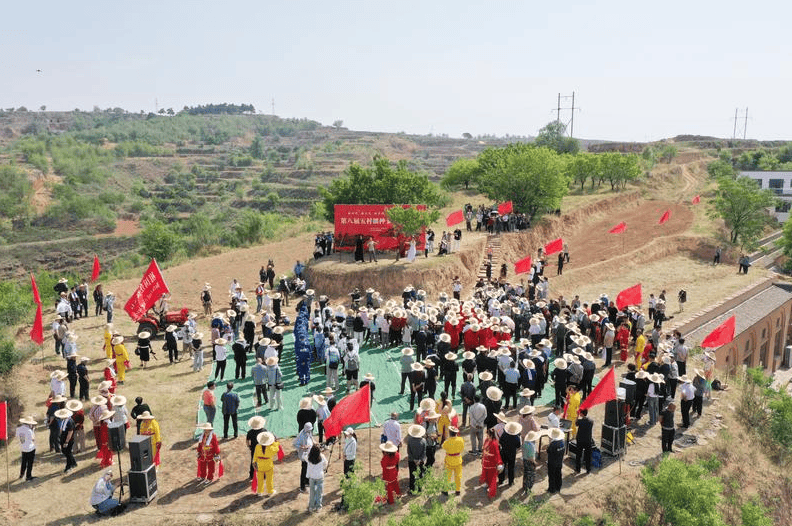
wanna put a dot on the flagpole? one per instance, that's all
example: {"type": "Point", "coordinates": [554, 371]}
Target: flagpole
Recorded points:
{"type": "Point", "coordinates": [369, 448]}
{"type": "Point", "coordinates": [8, 469]}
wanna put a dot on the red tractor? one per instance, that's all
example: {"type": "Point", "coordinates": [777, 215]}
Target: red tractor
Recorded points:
{"type": "Point", "coordinates": [154, 321]}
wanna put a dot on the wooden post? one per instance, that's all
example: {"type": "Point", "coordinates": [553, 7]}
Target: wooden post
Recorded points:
{"type": "Point", "coordinates": [8, 469]}
{"type": "Point", "coordinates": [369, 449]}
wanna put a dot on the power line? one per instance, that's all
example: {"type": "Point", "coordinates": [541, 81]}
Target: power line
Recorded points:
{"type": "Point", "coordinates": [745, 123]}
{"type": "Point", "coordinates": [572, 109]}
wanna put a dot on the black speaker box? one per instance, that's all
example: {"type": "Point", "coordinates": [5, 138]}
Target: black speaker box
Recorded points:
{"type": "Point", "coordinates": [143, 485]}
{"type": "Point", "coordinates": [614, 413]}
{"type": "Point", "coordinates": [140, 454]}
{"type": "Point", "coordinates": [117, 438]}
{"type": "Point", "coordinates": [629, 388]}
{"type": "Point", "coordinates": [613, 439]}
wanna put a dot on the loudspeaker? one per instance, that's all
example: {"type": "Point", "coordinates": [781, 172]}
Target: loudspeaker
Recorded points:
{"type": "Point", "coordinates": [629, 389]}
{"type": "Point", "coordinates": [140, 455]}
{"type": "Point", "coordinates": [613, 439]}
{"type": "Point", "coordinates": [614, 413]}
{"type": "Point", "coordinates": [117, 438]}
{"type": "Point", "coordinates": [143, 485]}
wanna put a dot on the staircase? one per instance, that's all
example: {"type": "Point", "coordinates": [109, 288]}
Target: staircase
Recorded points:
{"type": "Point", "coordinates": [494, 241]}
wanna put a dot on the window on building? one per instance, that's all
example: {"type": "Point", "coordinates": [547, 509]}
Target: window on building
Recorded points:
{"type": "Point", "coordinates": [764, 333]}
{"type": "Point", "coordinates": [763, 355]}
{"type": "Point", "coordinates": [758, 182]}
{"type": "Point", "coordinates": [776, 185]}
{"type": "Point", "coordinates": [783, 206]}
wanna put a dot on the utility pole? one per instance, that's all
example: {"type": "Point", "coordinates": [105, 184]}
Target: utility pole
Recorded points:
{"type": "Point", "coordinates": [745, 123]}
{"type": "Point", "coordinates": [558, 116]}
{"type": "Point", "coordinates": [572, 121]}
{"type": "Point", "coordinates": [273, 106]}
{"type": "Point", "coordinates": [734, 133]}
{"type": "Point", "coordinates": [572, 108]}
{"type": "Point", "coordinates": [745, 128]}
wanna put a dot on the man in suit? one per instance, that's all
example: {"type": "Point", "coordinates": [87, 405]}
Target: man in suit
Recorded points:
{"type": "Point", "coordinates": [585, 441]}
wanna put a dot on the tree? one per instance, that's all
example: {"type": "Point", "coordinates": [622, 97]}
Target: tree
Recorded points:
{"type": "Point", "coordinates": [43, 108]}
{"type": "Point", "coordinates": [687, 493]}
{"type": "Point", "coordinates": [16, 194]}
{"type": "Point", "coordinates": [381, 183]}
{"type": "Point", "coordinates": [619, 169]}
{"type": "Point", "coordinates": [581, 167]}
{"type": "Point", "coordinates": [533, 179]}
{"type": "Point", "coordinates": [409, 221]}
{"type": "Point", "coordinates": [718, 169]}
{"type": "Point", "coordinates": [337, 124]}
{"type": "Point", "coordinates": [553, 136]}
{"type": "Point", "coordinates": [171, 112]}
{"type": "Point", "coordinates": [743, 207]}
{"type": "Point", "coordinates": [649, 157]}
{"type": "Point", "coordinates": [668, 152]}
{"type": "Point", "coordinates": [466, 135]}
{"type": "Point", "coordinates": [257, 148]}
{"type": "Point", "coordinates": [158, 240]}
{"type": "Point", "coordinates": [462, 172]}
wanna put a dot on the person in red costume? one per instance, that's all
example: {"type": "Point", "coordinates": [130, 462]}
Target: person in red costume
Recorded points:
{"type": "Point", "coordinates": [390, 469]}
{"type": "Point", "coordinates": [104, 454]}
{"type": "Point", "coordinates": [490, 460]}
{"type": "Point", "coordinates": [110, 375]}
{"type": "Point", "coordinates": [208, 454]}
{"type": "Point", "coordinates": [622, 340]}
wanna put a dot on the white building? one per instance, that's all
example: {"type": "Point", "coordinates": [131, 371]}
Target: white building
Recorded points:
{"type": "Point", "coordinates": [778, 182]}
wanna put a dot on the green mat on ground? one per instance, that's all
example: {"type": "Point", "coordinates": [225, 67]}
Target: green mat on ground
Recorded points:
{"type": "Point", "coordinates": [382, 363]}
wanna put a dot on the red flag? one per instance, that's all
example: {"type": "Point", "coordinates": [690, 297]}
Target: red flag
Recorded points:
{"type": "Point", "coordinates": [604, 392]}
{"type": "Point", "coordinates": [524, 265]}
{"type": "Point", "coordinates": [666, 216]}
{"type": "Point", "coordinates": [352, 409]}
{"type": "Point", "coordinates": [696, 200]}
{"type": "Point", "coordinates": [618, 229]}
{"type": "Point", "coordinates": [37, 332]}
{"type": "Point", "coordinates": [554, 246]}
{"type": "Point", "coordinates": [4, 421]}
{"type": "Point", "coordinates": [97, 268]}
{"type": "Point", "coordinates": [505, 208]}
{"type": "Point", "coordinates": [454, 218]}
{"type": "Point", "coordinates": [631, 296]}
{"type": "Point", "coordinates": [722, 335]}
{"type": "Point", "coordinates": [33, 285]}
{"type": "Point", "coordinates": [151, 288]}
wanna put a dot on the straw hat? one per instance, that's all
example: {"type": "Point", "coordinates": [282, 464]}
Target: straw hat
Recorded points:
{"type": "Point", "coordinates": [118, 340]}
{"type": "Point", "coordinates": [265, 438]}
{"type": "Point", "coordinates": [527, 393]}
{"type": "Point", "coordinates": [698, 372]}
{"type": "Point", "coordinates": [243, 307]}
{"type": "Point", "coordinates": [407, 351]}
{"type": "Point", "coordinates": [63, 413]}
{"type": "Point", "coordinates": [685, 379]}
{"type": "Point", "coordinates": [118, 400]}
{"type": "Point", "coordinates": [485, 376]}
{"type": "Point", "coordinates": [431, 415]}
{"type": "Point", "coordinates": [348, 431]}
{"type": "Point", "coordinates": [445, 337]}
{"type": "Point", "coordinates": [206, 426]}
{"type": "Point", "coordinates": [74, 405]}
{"type": "Point", "coordinates": [657, 378]}
{"type": "Point", "coordinates": [105, 384]}
{"type": "Point", "coordinates": [426, 404]}
{"type": "Point", "coordinates": [667, 360]}
{"type": "Point", "coordinates": [594, 318]}
{"type": "Point", "coordinates": [257, 422]}
{"type": "Point", "coordinates": [556, 434]}
{"type": "Point", "coordinates": [272, 360]}
{"type": "Point", "coordinates": [527, 410]}
{"type": "Point", "coordinates": [388, 447]}
{"type": "Point", "coordinates": [191, 316]}
{"type": "Point", "coordinates": [277, 330]}
{"type": "Point", "coordinates": [144, 335]}
{"type": "Point", "coordinates": [532, 436]}
{"type": "Point", "coordinates": [513, 428]}
{"type": "Point", "coordinates": [534, 321]}
{"type": "Point", "coordinates": [528, 364]}
{"type": "Point", "coordinates": [641, 375]}
{"type": "Point", "coordinates": [416, 431]}
{"type": "Point", "coordinates": [60, 375]}
{"type": "Point", "coordinates": [58, 399]}
{"type": "Point", "coordinates": [468, 355]}
{"type": "Point", "coordinates": [450, 356]}
{"type": "Point", "coordinates": [146, 416]}
{"type": "Point", "coordinates": [453, 429]}
{"type": "Point", "coordinates": [367, 376]}
{"type": "Point", "coordinates": [320, 399]}
{"type": "Point", "coordinates": [99, 400]}
{"type": "Point", "coordinates": [28, 420]}
{"type": "Point", "coordinates": [494, 394]}
{"type": "Point", "coordinates": [482, 348]}
{"type": "Point", "coordinates": [416, 367]}
{"type": "Point", "coordinates": [170, 328]}
{"type": "Point", "coordinates": [305, 403]}
{"type": "Point", "coordinates": [560, 363]}
{"type": "Point", "coordinates": [106, 414]}
{"type": "Point", "coordinates": [63, 280]}
{"type": "Point", "coordinates": [220, 341]}
{"type": "Point", "coordinates": [610, 327]}
{"type": "Point", "coordinates": [502, 417]}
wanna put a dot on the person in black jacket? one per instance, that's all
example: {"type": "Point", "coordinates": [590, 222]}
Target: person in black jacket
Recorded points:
{"type": "Point", "coordinates": [559, 376]}
{"type": "Point", "coordinates": [509, 444]}
{"type": "Point", "coordinates": [585, 441]}
{"type": "Point", "coordinates": [555, 459]}
{"type": "Point", "coordinates": [450, 372]}
{"type": "Point", "coordinates": [417, 384]}
{"type": "Point", "coordinates": [492, 402]}
{"type": "Point", "coordinates": [170, 343]}
{"type": "Point", "coordinates": [306, 413]}
{"type": "Point", "coordinates": [240, 359]}
{"type": "Point", "coordinates": [641, 388]}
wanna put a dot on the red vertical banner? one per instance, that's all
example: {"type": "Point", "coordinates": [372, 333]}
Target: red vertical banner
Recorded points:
{"type": "Point", "coordinates": [505, 208]}
{"type": "Point", "coordinates": [151, 288]}
{"type": "Point", "coordinates": [97, 268]}
{"type": "Point", "coordinates": [36, 296]}
{"type": "Point", "coordinates": [454, 218]}
{"type": "Point", "coordinates": [554, 246]}
{"type": "Point", "coordinates": [37, 332]}
{"type": "Point", "coordinates": [4, 421]}
{"type": "Point", "coordinates": [618, 229]}
{"type": "Point", "coordinates": [524, 265]}
{"type": "Point", "coordinates": [665, 217]}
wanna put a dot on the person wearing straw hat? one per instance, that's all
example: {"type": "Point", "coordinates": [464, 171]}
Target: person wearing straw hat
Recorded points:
{"type": "Point", "coordinates": [206, 299]}
{"type": "Point", "coordinates": [78, 415]}
{"type": "Point", "coordinates": [490, 463]}
{"type": "Point", "coordinates": [417, 379]}
{"type": "Point", "coordinates": [687, 394]}
{"type": "Point", "coordinates": [256, 425]}
{"type": "Point", "coordinates": [390, 470]}
{"type": "Point", "coordinates": [454, 446]}
{"type": "Point", "coordinates": [699, 384]}
{"type": "Point", "coordinates": [66, 437]}
{"type": "Point", "coordinates": [668, 429]}
{"type": "Point", "coordinates": [56, 403]}
{"type": "Point", "coordinates": [120, 418]}
{"type": "Point", "coordinates": [528, 449]}
{"type": "Point", "coordinates": [143, 349]}
{"type": "Point", "coordinates": [450, 371]}
{"type": "Point", "coordinates": [652, 396]}
{"type": "Point", "coordinates": [274, 383]}
{"type": "Point", "coordinates": [302, 446]}
{"type": "Point", "coordinates": [208, 453]}
{"type": "Point", "coordinates": [559, 377]}
{"type": "Point", "coordinates": [493, 404]}
{"type": "Point", "coordinates": [416, 452]}
{"type": "Point", "coordinates": [149, 426]}
{"type": "Point", "coordinates": [555, 458]}
{"type": "Point", "coordinates": [57, 384]}
{"type": "Point", "coordinates": [220, 352]}
{"type": "Point", "coordinates": [121, 357]}
{"type": "Point", "coordinates": [105, 455]}
{"type": "Point", "coordinates": [264, 454]}
{"type": "Point", "coordinates": [509, 445]}
{"type": "Point", "coordinates": [26, 434]}
{"type": "Point", "coordinates": [406, 361]}
{"type": "Point", "coordinates": [110, 375]}
{"type": "Point", "coordinates": [306, 413]}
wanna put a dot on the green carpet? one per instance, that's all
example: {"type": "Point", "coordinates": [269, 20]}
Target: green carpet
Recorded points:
{"type": "Point", "coordinates": [382, 363]}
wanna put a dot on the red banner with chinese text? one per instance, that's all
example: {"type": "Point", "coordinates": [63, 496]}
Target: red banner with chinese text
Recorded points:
{"type": "Point", "coordinates": [151, 288]}
{"type": "Point", "coordinates": [368, 221]}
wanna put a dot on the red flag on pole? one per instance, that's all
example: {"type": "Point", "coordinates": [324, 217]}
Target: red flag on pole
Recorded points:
{"type": "Point", "coordinates": [554, 246]}
{"type": "Point", "coordinates": [151, 288]}
{"type": "Point", "coordinates": [696, 200]}
{"type": "Point", "coordinates": [33, 285]}
{"type": "Point", "coordinates": [524, 265]}
{"type": "Point", "coordinates": [97, 269]}
{"type": "Point", "coordinates": [454, 218]}
{"type": "Point", "coordinates": [665, 217]}
{"type": "Point", "coordinates": [631, 296]}
{"type": "Point", "coordinates": [37, 332]}
{"type": "Point", "coordinates": [352, 409]}
{"type": "Point", "coordinates": [722, 334]}
{"type": "Point", "coordinates": [618, 229]}
{"type": "Point", "coordinates": [605, 391]}
{"type": "Point", "coordinates": [4, 421]}
{"type": "Point", "coordinates": [505, 208]}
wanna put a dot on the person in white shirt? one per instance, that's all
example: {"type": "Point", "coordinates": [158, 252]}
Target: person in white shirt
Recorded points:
{"type": "Point", "coordinates": [478, 414]}
{"type": "Point", "coordinates": [350, 450]}
{"type": "Point", "coordinates": [553, 418]}
{"type": "Point", "coordinates": [102, 496]}
{"type": "Point", "coordinates": [27, 444]}
{"type": "Point", "coordinates": [392, 429]}
{"type": "Point", "coordinates": [317, 464]}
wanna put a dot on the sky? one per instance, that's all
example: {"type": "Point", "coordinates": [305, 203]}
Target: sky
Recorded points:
{"type": "Point", "coordinates": [640, 71]}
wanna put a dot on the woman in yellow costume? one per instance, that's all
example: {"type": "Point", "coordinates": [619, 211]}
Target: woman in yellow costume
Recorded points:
{"type": "Point", "coordinates": [573, 404]}
{"type": "Point", "coordinates": [149, 426]}
{"type": "Point", "coordinates": [108, 341]}
{"type": "Point", "coordinates": [264, 462]}
{"type": "Point", "coordinates": [121, 357]}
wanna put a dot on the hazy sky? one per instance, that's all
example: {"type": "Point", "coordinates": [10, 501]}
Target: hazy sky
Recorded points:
{"type": "Point", "coordinates": [639, 70]}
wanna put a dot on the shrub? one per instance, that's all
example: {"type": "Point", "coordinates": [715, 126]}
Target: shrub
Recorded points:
{"type": "Point", "coordinates": [753, 514]}
{"type": "Point", "coordinates": [360, 495]}
{"type": "Point", "coordinates": [534, 514]}
{"type": "Point", "coordinates": [158, 240]}
{"type": "Point", "coordinates": [9, 355]}
{"type": "Point", "coordinates": [781, 420]}
{"type": "Point", "coordinates": [435, 515]}
{"type": "Point", "coordinates": [686, 492]}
